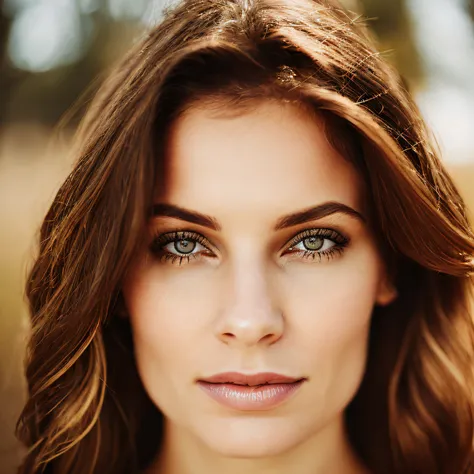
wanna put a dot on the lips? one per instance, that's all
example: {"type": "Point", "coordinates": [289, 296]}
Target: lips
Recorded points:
{"type": "Point", "coordinates": [264, 378]}
{"type": "Point", "coordinates": [264, 391]}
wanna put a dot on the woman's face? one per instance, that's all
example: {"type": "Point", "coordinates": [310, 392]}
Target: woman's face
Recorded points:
{"type": "Point", "coordinates": [258, 260]}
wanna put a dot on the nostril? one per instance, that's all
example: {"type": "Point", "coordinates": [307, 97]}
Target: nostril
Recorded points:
{"type": "Point", "coordinates": [268, 337]}
{"type": "Point", "coordinates": [227, 338]}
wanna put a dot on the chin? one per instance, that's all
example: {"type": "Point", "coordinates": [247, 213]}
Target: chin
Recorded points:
{"type": "Point", "coordinates": [251, 438]}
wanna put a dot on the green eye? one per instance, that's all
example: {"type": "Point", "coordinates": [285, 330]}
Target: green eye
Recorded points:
{"type": "Point", "coordinates": [185, 246]}
{"type": "Point", "coordinates": [180, 246]}
{"type": "Point", "coordinates": [313, 243]}
{"type": "Point", "coordinates": [317, 243]}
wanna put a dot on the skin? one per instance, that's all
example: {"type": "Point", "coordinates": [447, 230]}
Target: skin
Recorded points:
{"type": "Point", "coordinates": [249, 303]}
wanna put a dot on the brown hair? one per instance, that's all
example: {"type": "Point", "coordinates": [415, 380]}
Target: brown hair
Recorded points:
{"type": "Point", "coordinates": [87, 411]}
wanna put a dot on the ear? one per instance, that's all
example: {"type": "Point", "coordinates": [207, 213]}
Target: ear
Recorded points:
{"type": "Point", "coordinates": [386, 292]}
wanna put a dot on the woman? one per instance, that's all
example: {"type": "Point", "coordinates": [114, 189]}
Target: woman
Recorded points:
{"type": "Point", "coordinates": [258, 264]}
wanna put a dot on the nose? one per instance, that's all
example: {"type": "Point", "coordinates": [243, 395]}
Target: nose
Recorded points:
{"type": "Point", "coordinates": [251, 316]}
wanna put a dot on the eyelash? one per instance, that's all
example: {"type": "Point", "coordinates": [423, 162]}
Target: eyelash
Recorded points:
{"type": "Point", "coordinates": [159, 243]}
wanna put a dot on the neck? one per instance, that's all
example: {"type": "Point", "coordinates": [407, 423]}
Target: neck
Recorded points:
{"type": "Point", "coordinates": [327, 451]}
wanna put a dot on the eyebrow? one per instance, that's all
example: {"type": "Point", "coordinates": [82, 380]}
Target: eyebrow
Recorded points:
{"type": "Point", "coordinates": [317, 212]}
{"type": "Point", "coordinates": [170, 210]}
{"type": "Point", "coordinates": [290, 220]}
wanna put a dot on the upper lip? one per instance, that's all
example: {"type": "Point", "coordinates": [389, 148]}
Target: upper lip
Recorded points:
{"type": "Point", "coordinates": [250, 379]}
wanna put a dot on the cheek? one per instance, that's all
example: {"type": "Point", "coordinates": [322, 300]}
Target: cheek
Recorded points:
{"type": "Point", "coordinates": [167, 299]}
{"type": "Point", "coordinates": [329, 314]}
{"type": "Point", "coordinates": [169, 310]}
{"type": "Point", "coordinates": [340, 296]}
{"type": "Point", "coordinates": [162, 342]}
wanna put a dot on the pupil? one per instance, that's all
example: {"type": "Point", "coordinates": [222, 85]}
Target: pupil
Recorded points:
{"type": "Point", "coordinates": [184, 246]}
{"type": "Point", "coordinates": [313, 243]}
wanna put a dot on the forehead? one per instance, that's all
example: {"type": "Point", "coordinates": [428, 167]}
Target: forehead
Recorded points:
{"type": "Point", "coordinates": [270, 160]}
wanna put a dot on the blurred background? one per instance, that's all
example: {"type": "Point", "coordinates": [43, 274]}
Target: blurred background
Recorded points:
{"type": "Point", "coordinates": [53, 55]}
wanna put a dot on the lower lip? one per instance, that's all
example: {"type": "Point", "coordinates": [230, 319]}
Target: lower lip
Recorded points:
{"type": "Point", "coordinates": [243, 397]}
